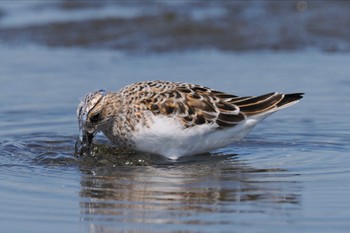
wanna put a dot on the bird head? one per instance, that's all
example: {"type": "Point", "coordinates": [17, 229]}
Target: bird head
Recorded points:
{"type": "Point", "coordinates": [90, 113]}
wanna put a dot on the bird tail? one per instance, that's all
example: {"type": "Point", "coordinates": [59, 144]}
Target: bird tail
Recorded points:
{"type": "Point", "coordinates": [268, 103]}
{"type": "Point", "coordinates": [289, 99]}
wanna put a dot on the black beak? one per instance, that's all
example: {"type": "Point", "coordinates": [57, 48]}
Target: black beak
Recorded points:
{"type": "Point", "coordinates": [84, 142]}
{"type": "Point", "coordinates": [87, 138]}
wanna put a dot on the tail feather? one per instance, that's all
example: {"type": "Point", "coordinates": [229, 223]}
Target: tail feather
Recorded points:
{"type": "Point", "coordinates": [252, 100]}
{"type": "Point", "coordinates": [266, 103]}
{"type": "Point", "coordinates": [290, 99]}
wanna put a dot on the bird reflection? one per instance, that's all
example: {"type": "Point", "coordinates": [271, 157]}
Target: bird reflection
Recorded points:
{"type": "Point", "coordinates": [184, 191]}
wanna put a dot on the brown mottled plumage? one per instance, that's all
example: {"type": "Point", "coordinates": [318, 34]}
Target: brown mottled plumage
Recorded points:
{"type": "Point", "coordinates": [174, 116]}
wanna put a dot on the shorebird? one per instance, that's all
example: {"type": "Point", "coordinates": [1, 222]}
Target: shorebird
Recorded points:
{"type": "Point", "coordinates": [173, 119]}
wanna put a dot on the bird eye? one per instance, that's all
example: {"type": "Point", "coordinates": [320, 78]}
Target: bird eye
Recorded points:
{"type": "Point", "coordinates": [96, 117]}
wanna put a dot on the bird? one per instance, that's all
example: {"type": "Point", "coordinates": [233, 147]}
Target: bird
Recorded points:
{"type": "Point", "coordinates": [173, 119]}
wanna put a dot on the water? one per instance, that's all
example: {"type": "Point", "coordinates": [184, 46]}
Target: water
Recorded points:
{"type": "Point", "coordinates": [178, 25]}
{"type": "Point", "coordinates": [291, 174]}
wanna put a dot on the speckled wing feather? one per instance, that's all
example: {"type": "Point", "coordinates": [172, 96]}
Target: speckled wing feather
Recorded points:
{"type": "Point", "coordinates": [196, 105]}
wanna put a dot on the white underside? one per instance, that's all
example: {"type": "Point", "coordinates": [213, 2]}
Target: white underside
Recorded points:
{"type": "Point", "coordinates": [168, 137]}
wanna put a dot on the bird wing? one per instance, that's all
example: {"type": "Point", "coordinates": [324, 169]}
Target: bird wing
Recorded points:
{"type": "Point", "coordinates": [196, 105]}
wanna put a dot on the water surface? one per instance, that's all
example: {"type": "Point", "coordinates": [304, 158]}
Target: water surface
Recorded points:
{"type": "Point", "coordinates": [290, 174]}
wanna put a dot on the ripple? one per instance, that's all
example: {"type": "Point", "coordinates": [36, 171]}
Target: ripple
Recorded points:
{"type": "Point", "coordinates": [39, 149]}
{"type": "Point", "coordinates": [250, 178]}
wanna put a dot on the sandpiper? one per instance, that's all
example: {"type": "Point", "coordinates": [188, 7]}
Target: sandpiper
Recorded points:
{"type": "Point", "coordinates": [173, 119]}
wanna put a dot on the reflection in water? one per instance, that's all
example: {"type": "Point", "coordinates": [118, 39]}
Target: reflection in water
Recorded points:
{"type": "Point", "coordinates": [128, 190]}
{"type": "Point", "coordinates": [184, 192]}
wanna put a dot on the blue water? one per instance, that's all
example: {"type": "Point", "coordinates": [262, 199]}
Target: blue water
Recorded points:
{"type": "Point", "coordinates": [290, 174]}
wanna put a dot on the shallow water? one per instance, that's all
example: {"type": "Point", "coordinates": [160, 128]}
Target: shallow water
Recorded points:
{"type": "Point", "coordinates": [160, 26]}
{"type": "Point", "coordinates": [290, 174]}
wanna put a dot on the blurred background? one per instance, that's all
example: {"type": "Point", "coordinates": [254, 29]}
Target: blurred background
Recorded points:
{"type": "Point", "coordinates": [162, 26]}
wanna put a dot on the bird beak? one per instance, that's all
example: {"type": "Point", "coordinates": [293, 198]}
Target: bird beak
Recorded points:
{"type": "Point", "coordinates": [87, 138]}
{"type": "Point", "coordinates": [84, 142]}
